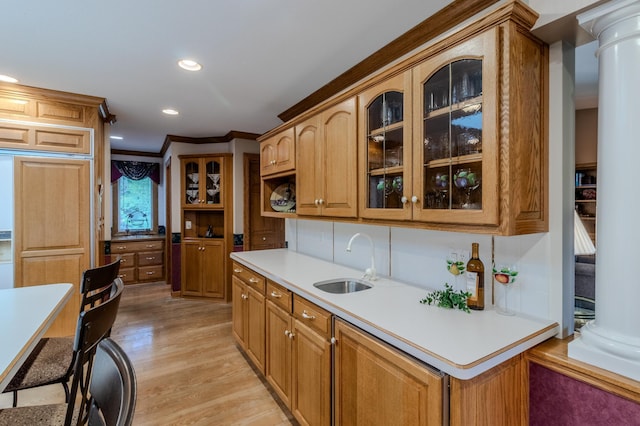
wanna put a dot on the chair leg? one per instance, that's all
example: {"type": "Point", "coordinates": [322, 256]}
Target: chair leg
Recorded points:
{"type": "Point", "coordinates": [65, 385]}
{"type": "Point", "coordinates": [15, 398]}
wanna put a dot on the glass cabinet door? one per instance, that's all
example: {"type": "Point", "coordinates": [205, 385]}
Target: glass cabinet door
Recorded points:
{"type": "Point", "coordinates": [452, 129]}
{"type": "Point", "coordinates": [191, 181]}
{"type": "Point", "coordinates": [213, 183]}
{"type": "Point", "coordinates": [387, 160]}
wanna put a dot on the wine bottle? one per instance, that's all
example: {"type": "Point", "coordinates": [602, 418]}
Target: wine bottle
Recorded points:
{"type": "Point", "coordinates": [475, 280]}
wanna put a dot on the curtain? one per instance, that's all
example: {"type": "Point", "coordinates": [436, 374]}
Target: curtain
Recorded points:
{"type": "Point", "coordinates": [135, 170]}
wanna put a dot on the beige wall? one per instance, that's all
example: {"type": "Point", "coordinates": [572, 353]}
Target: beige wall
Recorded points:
{"type": "Point", "coordinates": [586, 136]}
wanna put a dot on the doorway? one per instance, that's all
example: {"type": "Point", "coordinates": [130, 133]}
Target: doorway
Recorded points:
{"type": "Point", "coordinates": [260, 232]}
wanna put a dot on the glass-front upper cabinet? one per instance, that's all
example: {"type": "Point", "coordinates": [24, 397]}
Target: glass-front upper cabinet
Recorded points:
{"type": "Point", "coordinates": [386, 157]}
{"type": "Point", "coordinates": [456, 139]}
{"type": "Point", "coordinates": [202, 182]}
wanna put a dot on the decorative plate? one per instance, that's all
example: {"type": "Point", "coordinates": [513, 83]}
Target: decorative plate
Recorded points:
{"type": "Point", "coordinates": [283, 198]}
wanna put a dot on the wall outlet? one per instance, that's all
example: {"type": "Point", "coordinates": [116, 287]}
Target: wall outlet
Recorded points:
{"type": "Point", "coordinates": [187, 224]}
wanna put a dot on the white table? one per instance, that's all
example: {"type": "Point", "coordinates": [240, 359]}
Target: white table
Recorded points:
{"type": "Point", "coordinates": [25, 315]}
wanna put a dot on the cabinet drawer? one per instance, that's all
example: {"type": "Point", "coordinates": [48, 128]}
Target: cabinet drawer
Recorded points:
{"type": "Point", "coordinates": [128, 275]}
{"type": "Point", "coordinates": [129, 246]}
{"type": "Point", "coordinates": [150, 273]}
{"type": "Point", "coordinates": [312, 315]}
{"type": "Point", "coordinates": [150, 258]}
{"type": "Point", "coordinates": [279, 295]}
{"type": "Point", "coordinates": [249, 277]}
{"type": "Point", "coordinates": [127, 260]}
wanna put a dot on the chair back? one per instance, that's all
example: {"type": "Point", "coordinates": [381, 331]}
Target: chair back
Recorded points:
{"type": "Point", "coordinates": [113, 387]}
{"type": "Point", "coordinates": [96, 284]}
{"type": "Point", "coordinates": [94, 325]}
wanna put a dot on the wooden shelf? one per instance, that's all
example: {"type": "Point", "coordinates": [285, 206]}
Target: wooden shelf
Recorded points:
{"type": "Point", "coordinates": [386, 129]}
{"type": "Point", "coordinates": [454, 107]}
{"type": "Point", "coordinates": [453, 161]}
{"type": "Point", "coordinates": [387, 171]}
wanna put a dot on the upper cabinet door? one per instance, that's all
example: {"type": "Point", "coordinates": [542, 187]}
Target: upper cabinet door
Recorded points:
{"type": "Point", "coordinates": [339, 195]}
{"type": "Point", "coordinates": [327, 162]}
{"type": "Point", "coordinates": [277, 154]}
{"type": "Point", "coordinates": [385, 149]}
{"type": "Point", "coordinates": [455, 165]}
{"type": "Point", "coordinates": [203, 183]}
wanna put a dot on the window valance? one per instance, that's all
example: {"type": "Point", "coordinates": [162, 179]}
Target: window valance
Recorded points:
{"type": "Point", "coordinates": [135, 170]}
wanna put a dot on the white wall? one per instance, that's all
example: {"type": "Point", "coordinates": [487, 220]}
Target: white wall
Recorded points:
{"type": "Point", "coordinates": [418, 257]}
{"type": "Point", "coordinates": [237, 146]}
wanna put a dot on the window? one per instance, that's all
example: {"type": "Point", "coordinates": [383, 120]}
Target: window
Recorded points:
{"type": "Point", "coordinates": [135, 203]}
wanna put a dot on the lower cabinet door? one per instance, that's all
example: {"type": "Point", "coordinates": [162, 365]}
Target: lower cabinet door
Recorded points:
{"type": "Point", "coordinates": [278, 351]}
{"type": "Point", "coordinates": [213, 275]}
{"type": "Point", "coordinates": [376, 384]}
{"type": "Point", "coordinates": [311, 373]}
{"type": "Point", "coordinates": [238, 309]}
{"type": "Point", "coordinates": [255, 338]}
{"type": "Point", "coordinates": [191, 269]}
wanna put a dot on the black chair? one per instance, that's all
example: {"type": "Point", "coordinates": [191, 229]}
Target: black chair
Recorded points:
{"type": "Point", "coordinates": [113, 387]}
{"type": "Point", "coordinates": [93, 326]}
{"type": "Point", "coordinates": [52, 360]}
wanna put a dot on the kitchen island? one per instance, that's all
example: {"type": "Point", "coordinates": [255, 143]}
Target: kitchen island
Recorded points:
{"type": "Point", "coordinates": [462, 345]}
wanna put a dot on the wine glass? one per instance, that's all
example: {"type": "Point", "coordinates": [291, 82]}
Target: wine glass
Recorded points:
{"type": "Point", "coordinates": [440, 183]}
{"type": "Point", "coordinates": [455, 266]}
{"type": "Point", "coordinates": [468, 181]}
{"type": "Point", "coordinates": [505, 275]}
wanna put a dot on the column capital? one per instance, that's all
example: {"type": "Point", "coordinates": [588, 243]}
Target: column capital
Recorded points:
{"type": "Point", "coordinates": [599, 19]}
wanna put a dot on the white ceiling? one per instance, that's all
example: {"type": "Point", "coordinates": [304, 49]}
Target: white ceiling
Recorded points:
{"type": "Point", "coordinates": [260, 57]}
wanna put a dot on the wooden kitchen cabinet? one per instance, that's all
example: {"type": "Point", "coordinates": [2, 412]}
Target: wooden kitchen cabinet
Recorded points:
{"type": "Point", "coordinates": [203, 182]}
{"type": "Point", "coordinates": [376, 384]}
{"type": "Point", "coordinates": [207, 225]}
{"type": "Point", "coordinates": [203, 264]}
{"type": "Point", "coordinates": [326, 172]}
{"type": "Point", "coordinates": [248, 305]}
{"type": "Point", "coordinates": [385, 149]}
{"type": "Point", "coordinates": [480, 144]}
{"type": "Point", "coordinates": [299, 355]}
{"type": "Point", "coordinates": [278, 153]}
{"type": "Point", "coordinates": [140, 261]}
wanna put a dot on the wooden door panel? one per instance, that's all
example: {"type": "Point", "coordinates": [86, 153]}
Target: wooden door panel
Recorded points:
{"type": "Point", "coordinates": [311, 364]}
{"type": "Point", "coordinates": [53, 226]}
{"type": "Point", "coordinates": [191, 269]}
{"type": "Point", "coordinates": [238, 309]}
{"type": "Point", "coordinates": [308, 171]}
{"type": "Point", "coordinates": [255, 338]}
{"type": "Point", "coordinates": [213, 269]}
{"type": "Point", "coordinates": [278, 351]}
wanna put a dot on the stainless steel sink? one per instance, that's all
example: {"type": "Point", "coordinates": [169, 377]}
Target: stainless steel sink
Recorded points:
{"type": "Point", "coordinates": [342, 285]}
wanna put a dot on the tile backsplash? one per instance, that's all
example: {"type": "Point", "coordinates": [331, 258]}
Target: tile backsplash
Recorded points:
{"type": "Point", "coordinates": [418, 257]}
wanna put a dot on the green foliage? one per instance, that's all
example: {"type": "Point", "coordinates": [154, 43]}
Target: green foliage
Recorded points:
{"type": "Point", "coordinates": [448, 298]}
{"type": "Point", "coordinates": [135, 204]}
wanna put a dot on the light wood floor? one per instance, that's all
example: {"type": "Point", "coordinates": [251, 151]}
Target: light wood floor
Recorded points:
{"type": "Point", "coordinates": [189, 370]}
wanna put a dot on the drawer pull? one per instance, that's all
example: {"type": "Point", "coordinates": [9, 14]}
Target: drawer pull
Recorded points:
{"type": "Point", "coordinates": [150, 245]}
{"type": "Point", "coordinates": [254, 280]}
{"type": "Point", "coordinates": [237, 270]}
{"type": "Point", "coordinates": [276, 295]}
{"type": "Point", "coordinates": [123, 260]}
{"type": "Point", "coordinates": [122, 247]}
{"type": "Point", "coordinates": [305, 315]}
{"type": "Point", "coordinates": [150, 272]}
{"type": "Point", "coordinates": [150, 258]}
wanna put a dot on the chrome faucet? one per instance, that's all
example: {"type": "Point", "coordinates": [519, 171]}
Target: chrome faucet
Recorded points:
{"type": "Point", "coordinates": [370, 272]}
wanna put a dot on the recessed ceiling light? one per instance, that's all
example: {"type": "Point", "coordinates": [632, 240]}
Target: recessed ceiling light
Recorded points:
{"type": "Point", "coordinates": [8, 79]}
{"type": "Point", "coordinates": [116, 137]}
{"type": "Point", "coordinates": [189, 65]}
{"type": "Point", "coordinates": [170, 111]}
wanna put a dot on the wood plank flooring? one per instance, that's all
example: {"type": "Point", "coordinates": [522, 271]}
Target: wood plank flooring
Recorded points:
{"type": "Point", "coordinates": [188, 367]}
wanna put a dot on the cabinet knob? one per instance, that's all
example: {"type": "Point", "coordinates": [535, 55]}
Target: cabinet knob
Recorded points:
{"type": "Point", "coordinates": [321, 201]}
{"type": "Point", "coordinates": [244, 296]}
{"type": "Point", "coordinates": [276, 295]}
{"type": "Point", "coordinates": [264, 238]}
{"type": "Point", "coordinates": [273, 161]}
{"type": "Point", "coordinates": [316, 202]}
{"type": "Point", "coordinates": [404, 200]}
{"type": "Point", "coordinates": [414, 199]}
{"type": "Point", "coordinates": [286, 333]}
{"type": "Point", "coordinates": [305, 315]}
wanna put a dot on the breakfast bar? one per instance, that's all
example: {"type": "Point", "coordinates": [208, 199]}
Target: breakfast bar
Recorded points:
{"type": "Point", "coordinates": [25, 315]}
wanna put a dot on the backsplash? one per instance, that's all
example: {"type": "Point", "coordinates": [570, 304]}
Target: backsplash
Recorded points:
{"type": "Point", "coordinates": [418, 257]}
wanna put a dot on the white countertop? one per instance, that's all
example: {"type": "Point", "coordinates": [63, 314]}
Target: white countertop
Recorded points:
{"type": "Point", "coordinates": [25, 315]}
{"type": "Point", "coordinates": [460, 344]}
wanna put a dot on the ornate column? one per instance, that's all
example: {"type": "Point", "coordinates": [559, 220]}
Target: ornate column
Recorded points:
{"type": "Point", "coordinates": [612, 340]}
